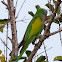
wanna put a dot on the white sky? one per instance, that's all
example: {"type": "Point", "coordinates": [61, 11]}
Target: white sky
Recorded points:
{"type": "Point", "coordinates": [52, 41]}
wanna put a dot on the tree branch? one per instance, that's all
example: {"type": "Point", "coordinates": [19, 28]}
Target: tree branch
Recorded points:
{"type": "Point", "coordinates": [55, 32]}
{"type": "Point", "coordinates": [4, 3]}
{"type": "Point", "coordinates": [20, 9]}
{"type": "Point", "coordinates": [42, 52]}
{"type": "Point", "coordinates": [4, 44]}
{"type": "Point", "coordinates": [13, 29]}
{"type": "Point", "coordinates": [57, 17]}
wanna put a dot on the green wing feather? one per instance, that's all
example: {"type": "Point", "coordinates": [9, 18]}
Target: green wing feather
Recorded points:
{"type": "Point", "coordinates": [33, 30]}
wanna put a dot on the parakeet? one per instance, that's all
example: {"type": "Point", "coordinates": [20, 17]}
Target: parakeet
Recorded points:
{"type": "Point", "coordinates": [33, 30]}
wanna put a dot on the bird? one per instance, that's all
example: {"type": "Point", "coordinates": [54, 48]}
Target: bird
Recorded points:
{"type": "Point", "coordinates": [33, 30]}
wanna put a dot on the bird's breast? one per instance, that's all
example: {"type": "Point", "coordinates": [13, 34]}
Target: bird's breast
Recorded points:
{"type": "Point", "coordinates": [36, 26]}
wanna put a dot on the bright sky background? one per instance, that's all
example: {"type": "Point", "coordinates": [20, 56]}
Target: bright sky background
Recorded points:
{"type": "Point", "coordinates": [52, 41]}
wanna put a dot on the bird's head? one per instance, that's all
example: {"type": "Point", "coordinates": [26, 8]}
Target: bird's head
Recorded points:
{"type": "Point", "coordinates": [42, 10]}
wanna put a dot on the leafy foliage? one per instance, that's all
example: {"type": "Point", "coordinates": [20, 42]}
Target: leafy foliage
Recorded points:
{"type": "Point", "coordinates": [50, 7]}
{"type": "Point", "coordinates": [55, 20]}
{"type": "Point", "coordinates": [58, 58]}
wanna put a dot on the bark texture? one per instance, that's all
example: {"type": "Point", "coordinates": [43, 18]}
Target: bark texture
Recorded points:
{"type": "Point", "coordinates": [13, 29]}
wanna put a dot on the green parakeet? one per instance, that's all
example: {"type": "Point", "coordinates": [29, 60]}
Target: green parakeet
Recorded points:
{"type": "Point", "coordinates": [33, 30]}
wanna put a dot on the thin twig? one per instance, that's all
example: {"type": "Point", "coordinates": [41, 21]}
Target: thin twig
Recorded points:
{"type": "Point", "coordinates": [22, 20]}
{"type": "Point", "coordinates": [16, 5]}
{"type": "Point", "coordinates": [59, 29]}
{"type": "Point", "coordinates": [55, 32]}
{"type": "Point", "coordinates": [42, 52]}
{"type": "Point", "coordinates": [50, 34]}
{"type": "Point", "coordinates": [20, 9]}
{"type": "Point", "coordinates": [59, 16]}
{"type": "Point", "coordinates": [6, 41]}
{"type": "Point", "coordinates": [4, 3]}
{"type": "Point", "coordinates": [4, 50]}
{"type": "Point", "coordinates": [45, 52]}
{"type": "Point", "coordinates": [60, 33]}
{"type": "Point", "coordinates": [10, 39]}
{"type": "Point", "coordinates": [5, 44]}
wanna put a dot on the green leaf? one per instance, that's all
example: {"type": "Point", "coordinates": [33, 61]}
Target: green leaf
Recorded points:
{"type": "Point", "coordinates": [10, 53]}
{"type": "Point", "coordinates": [25, 60]}
{"type": "Point", "coordinates": [58, 11]}
{"type": "Point", "coordinates": [50, 7]}
{"type": "Point", "coordinates": [0, 51]}
{"type": "Point", "coordinates": [58, 58]}
{"type": "Point", "coordinates": [43, 61]}
{"type": "Point", "coordinates": [55, 2]}
{"type": "Point", "coordinates": [41, 58]}
{"type": "Point", "coordinates": [28, 52]}
{"type": "Point", "coordinates": [15, 58]}
{"type": "Point", "coordinates": [4, 21]}
{"type": "Point", "coordinates": [2, 24]}
{"type": "Point", "coordinates": [31, 13]}
{"type": "Point", "coordinates": [48, 17]}
{"type": "Point", "coordinates": [56, 21]}
{"type": "Point", "coordinates": [60, 20]}
{"type": "Point", "coordinates": [1, 27]}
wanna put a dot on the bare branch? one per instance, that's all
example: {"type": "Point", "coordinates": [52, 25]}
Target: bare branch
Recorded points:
{"type": "Point", "coordinates": [5, 44]}
{"type": "Point", "coordinates": [23, 20]}
{"type": "Point", "coordinates": [6, 41]}
{"type": "Point", "coordinates": [45, 52]}
{"type": "Point", "coordinates": [20, 9]}
{"type": "Point", "coordinates": [55, 32]}
{"type": "Point", "coordinates": [10, 39]}
{"type": "Point", "coordinates": [57, 17]}
{"type": "Point", "coordinates": [16, 4]}
{"type": "Point", "coordinates": [13, 28]}
{"type": "Point", "coordinates": [42, 52]}
{"type": "Point", "coordinates": [4, 3]}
